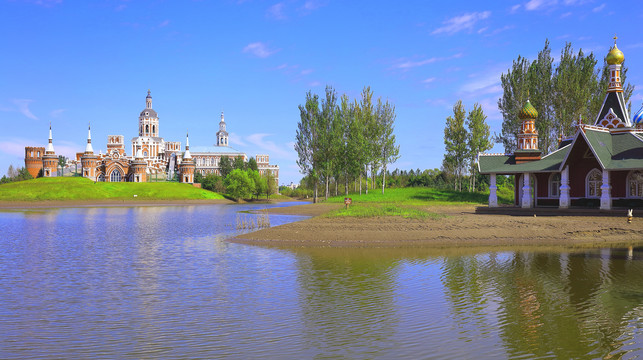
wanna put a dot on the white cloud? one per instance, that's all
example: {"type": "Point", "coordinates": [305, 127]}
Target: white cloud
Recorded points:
{"type": "Point", "coordinates": [23, 107]}
{"type": "Point", "coordinates": [408, 64]}
{"type": "Point", "coordinates": [429, 80]}
{"type": "Point", "coordinates": [259, 49]}
{"type": "Point", "coordinates": [236, 140]}
{"type": "Point", "coordinates": [45, 3]}
{"type": "Point", "coordinates": [306, 71]}
{"type": "Point", "coordinates": [314, 84]}
{"type": "Point", "coordinates": [164, 23]}
{"type": "Point", "coordinates": [515, 8]}
{"type": "Point", "coordinates": [599, 8]}
{"type": "Point", "coordinates": [534, 4]}
{"type": "Point", "coordinates": [259, 141]}
{"type": "Point", "coordinates": [311, 5]}
{"type": "Point", "coordinates": [567, 14]}
{"type": "Point", "coordinates": [56, 113]}
{"type": "Point", "coordinates": [16, 146]}
{"type": "Point", "coordinates": [487, 83]}
{"type": "Point", "coordinates": [276, 11]}
{"type": "Point", "coordinates": [462, 22]}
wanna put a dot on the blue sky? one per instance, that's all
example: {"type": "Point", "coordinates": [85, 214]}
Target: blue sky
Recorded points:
{"type": "Point", "coordinates": [72, 62]}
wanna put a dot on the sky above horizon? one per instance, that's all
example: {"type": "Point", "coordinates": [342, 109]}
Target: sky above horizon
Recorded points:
{"type": "Point", "coordinates": [75, 62]}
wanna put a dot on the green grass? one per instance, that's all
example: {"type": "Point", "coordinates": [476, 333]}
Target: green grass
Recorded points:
{"type": "Point", "coordinates": [409, 202]}
{"type": "Point", "coordinates": [78, 188]}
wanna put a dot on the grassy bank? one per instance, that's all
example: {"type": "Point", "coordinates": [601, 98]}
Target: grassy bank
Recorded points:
{"type": "Point", "coordinates": [77, 188]}
{"type": "Point", "coordinates": [409, 202]}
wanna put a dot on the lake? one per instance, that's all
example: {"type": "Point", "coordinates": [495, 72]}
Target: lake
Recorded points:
{"type": "Point", "coordinates": [162, 282]}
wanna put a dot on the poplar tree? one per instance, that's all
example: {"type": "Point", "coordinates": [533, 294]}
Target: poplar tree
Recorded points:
{"type": "Point", "coordinates": [479, 140]}
{"type": "Point", "coordinates": [307, 140]}
{"type": "Point", "coordinates": [388, 150]}
{"type": "Point", "coordinates": [456, 153]}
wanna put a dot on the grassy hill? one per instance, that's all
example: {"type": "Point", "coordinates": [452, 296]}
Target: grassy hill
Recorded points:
{"type": "Point", "coordinates": [410, 202]}
{"type": "Point", "coordinates": [78, 188]}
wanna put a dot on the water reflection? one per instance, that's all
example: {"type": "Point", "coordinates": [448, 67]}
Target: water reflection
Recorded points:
{"type": "Point", "coordinates": [162, 282]}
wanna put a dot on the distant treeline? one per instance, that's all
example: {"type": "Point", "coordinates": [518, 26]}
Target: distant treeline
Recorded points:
{"type": "Point", "coordinates": [14, 174]}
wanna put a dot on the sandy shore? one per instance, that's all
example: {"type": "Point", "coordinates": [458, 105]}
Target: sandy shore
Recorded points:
{"type": "Point", "coordinates": [460, 226]}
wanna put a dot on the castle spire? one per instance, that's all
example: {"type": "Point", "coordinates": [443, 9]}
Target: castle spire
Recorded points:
{"type": "Point", "coordinates": [88, 148]}
{"type": "Point", "coordinates": [50, 145]}
{"type": "Point", "coordinates": [187, 155]}
{"type": "Point", "coordinates": [148, 99]}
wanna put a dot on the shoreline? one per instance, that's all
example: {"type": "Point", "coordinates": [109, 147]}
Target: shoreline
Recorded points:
{"type": "Point", "coordinates": [44, 204]}
{"type": "Point", "coordinates": [459, 226]}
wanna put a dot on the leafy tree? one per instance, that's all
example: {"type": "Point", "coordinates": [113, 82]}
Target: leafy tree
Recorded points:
{"type": "Point", "coordinates": [326, 133]}
{"type": "Point", "coordinates": [198, 177]}
{"type": "Point", "coordinates": [271, 184]}
{"type": "Point", "coordinates": [239, 185]}
{"type": "Point", "coordinates": [225, 166]}
{"type": "Point", "coordinates": [258, 181]}
{"type": "Point", "coordinates": [455, 141]}
{"type": "Point", "coordinates": [11, 172]}
{"type": "Point", "coordinates": [307, 139]}
{"type": "Point", "coordinates": [252, 164]}
{"type": "Point", "coordinates": [388, 150]}
{"type": "Point", "coordinates": [479, 139]}
{"type": "Point", "coordinates": [239, 163]}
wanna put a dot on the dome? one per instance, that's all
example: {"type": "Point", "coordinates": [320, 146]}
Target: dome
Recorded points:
{"type": "Point", "coordinates": [638, 117]}
{"type": "Point", "coordinates": [528, 111]}
{"type": "Point", "coordinates": [615, 56]}
{"type": "Point", "coordinates": [149, 113]}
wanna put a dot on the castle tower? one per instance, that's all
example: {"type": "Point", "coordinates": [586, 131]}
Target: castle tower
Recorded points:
{"type": "Point", "coordinates": [50, 159]}
{"type": "Point", "coordinates": [139, 165]}
{"type": "Point", "coordinates": [528, 136]}
{"type": "Point", "coordinates": [187, 166]}
{"type": "Point", "coordinates": [148, 121]}
{"type": "Point", "coordinates": [33, 159]}
{"type": "Point", "coordinates": [613, 113]}
{"type": "Point", "coordinates": [89, 161]}
{"type": "Point", "coordinates": [222, 134]}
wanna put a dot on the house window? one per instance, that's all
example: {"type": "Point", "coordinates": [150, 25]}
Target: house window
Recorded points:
{"type": "Point", "coordinates": [554, 185]}
{"type": "Point", "coordinates": [116, 176]}
{"type": "Point", "coordinates": [635, 184]}
{"type": "Point", "coordinates": [594, 182]}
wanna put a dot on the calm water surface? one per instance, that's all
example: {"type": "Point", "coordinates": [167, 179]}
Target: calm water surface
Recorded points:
{"type": "Point", "coordinates": [160, 282]}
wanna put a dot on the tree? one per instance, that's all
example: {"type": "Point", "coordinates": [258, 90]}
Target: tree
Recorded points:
{"type": "Point", "coordinates": [388, 150]}
{"type": "Point", "coordinates": [198, 177]}
{"type": "Point", "coordinates": [307, 140]}
{"type": "Point", "coordinates": [258, 181]}
{"type": "Point", "coordinates": [239, 185]}
{"type": "Point", "coordinates": [326, 132]}
{"type": "Point", "coordinates": [239, 163]}
{"type": "Point", "coordinates": [252, 164]}
{"type": "Point", "coordinates": [271, 183]}
{"type": "Point", "coordinates": [225, 166]}
{"type": "Point", "coordinates": [478, 140]}
{"type": "Point", "coordinates": [455, 141]}
{"type": "Point", "coordinates": [62, 162]}
{"type": "Point", "coordinates": [11, 172]}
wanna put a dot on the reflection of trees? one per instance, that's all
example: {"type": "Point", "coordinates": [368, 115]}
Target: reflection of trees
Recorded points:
{"type": "Point", "coordinates": [547, 304]}
{"type": "Point", "coordinates": [346, 299]}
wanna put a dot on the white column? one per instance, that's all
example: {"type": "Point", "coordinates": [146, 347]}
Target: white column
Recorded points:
{"type": "Point", "coordinates": [563, 201]}
{"type": "Point", "coordinates": [526, 191]}
{"type": "Point", "coordinates": [493, 195]}
{"type": "Point", "coordinates": [606, 192]}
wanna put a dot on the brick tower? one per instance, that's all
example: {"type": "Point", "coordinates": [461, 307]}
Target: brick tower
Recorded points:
{"type": "Point", "coordinates": [187, 166]}
{"type": "Point", "coordinates": [138, 165]}
{"type": "Point", "coordinates": [50, 159]}
{"type": "Point", "coordinates": [89, 161]}
{"type": "Point", "coordinates": [33, 159]}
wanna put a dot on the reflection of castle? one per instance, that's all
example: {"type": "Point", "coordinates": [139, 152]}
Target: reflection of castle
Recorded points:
{"type": "Point", "coordinates": [151, 155]}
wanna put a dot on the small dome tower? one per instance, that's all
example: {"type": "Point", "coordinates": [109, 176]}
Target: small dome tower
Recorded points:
{"type": "Point", "coordinates": [50, 159]}
{"type": "Point", "coordinates": [528, 136]}
{"type": "Point", "coordinates": [187, 166]}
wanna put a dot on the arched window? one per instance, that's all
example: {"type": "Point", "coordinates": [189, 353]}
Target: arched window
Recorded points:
{"type": "Point", "coordinates": [593, 183]}
{"type": "Point", "coordinates": [554, 185]}
{"type": "Point", "coordinates": [116, 176]}
{"type": "Point", "coordinates": [635, 184]}
{"type": "Point", "coordinates": [147, 129]}
{"type": "Point", "coordinates": [153, 129]}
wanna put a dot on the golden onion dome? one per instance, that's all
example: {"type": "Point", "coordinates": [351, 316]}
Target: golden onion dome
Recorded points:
{"type": "Point", "coordinates": [615, 56]}
{"type": "Point", "coordinates": [528, 112]}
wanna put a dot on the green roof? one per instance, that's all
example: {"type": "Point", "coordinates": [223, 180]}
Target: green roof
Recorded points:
{"type": "Point", "coordinates": [622, 151]}
{"type": "Point", "coordinates": [506, 164]}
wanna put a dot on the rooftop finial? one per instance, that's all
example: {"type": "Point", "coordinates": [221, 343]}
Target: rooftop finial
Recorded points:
{"type": "Point", "coordinates": [615, 37]}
